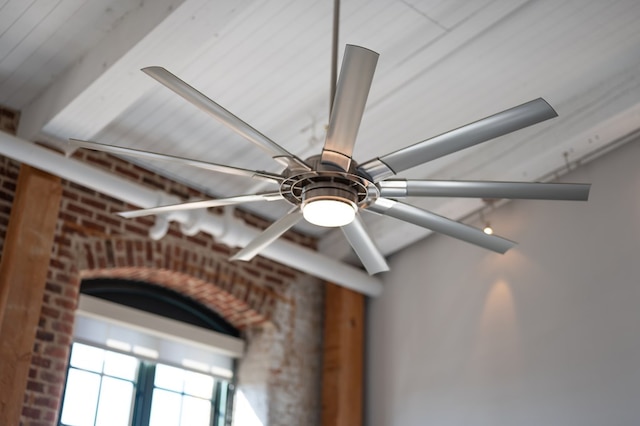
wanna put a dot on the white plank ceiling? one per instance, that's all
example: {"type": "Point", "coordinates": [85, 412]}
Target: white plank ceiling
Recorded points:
{"type": "Point", "coordinates": [72, 68]}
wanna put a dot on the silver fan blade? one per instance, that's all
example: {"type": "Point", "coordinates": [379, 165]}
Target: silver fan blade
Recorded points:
{"type": "Point", "coordinates": [179, 160]}
{"type": "Point", "coordinates": [269, 235]}
{"type": "Point", "coordinates": [364, 247]}
{"type": "Point", "coordinates": [202, 204]}
{"type": "Point", "coordinates": [225, 117]}
{"type": "Point", "coordinates": [463, 137]}
{"type": "Point", "coordinates": [440, 224]}
{"type": "Point", "coordinates": [484, 189]}
{"type": "Point", "coordinates": [356, 74]}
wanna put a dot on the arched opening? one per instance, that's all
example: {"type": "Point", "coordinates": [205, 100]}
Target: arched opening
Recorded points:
{"type": "Point", "coordinates": [127, 366]}
{"type": "Point", "coordinates": [157, 300]}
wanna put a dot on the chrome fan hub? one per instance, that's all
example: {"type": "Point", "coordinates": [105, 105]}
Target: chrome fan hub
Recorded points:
{"type": "Point", "coordinates": [304, 186]}
{"type": "Point", "coordinates": [327, 197]}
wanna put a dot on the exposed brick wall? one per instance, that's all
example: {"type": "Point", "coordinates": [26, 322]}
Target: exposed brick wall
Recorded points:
{"type": "Point", "coordinates": [261, 297]}
{"type": "Point", "coordinates": [8, 172]}
{"type": "Point", "coordinates": [269, 375]}
{"type": "Point", "coordinates": [9, 120]}
{"type": "Point", "coordinates": [8, 179]}
{"type": "Point", "coordinates": [239, 299]}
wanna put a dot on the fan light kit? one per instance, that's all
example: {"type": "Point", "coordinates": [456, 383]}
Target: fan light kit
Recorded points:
{"type": "Point", "coordinates": [329, 212]}
{"type": "Point", "coordinates": [331, 189]}
{"type": "Point", "coordinates": [329, 204]}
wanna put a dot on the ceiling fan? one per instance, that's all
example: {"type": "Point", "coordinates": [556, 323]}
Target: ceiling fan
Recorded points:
{"type": "Point", "coordinates": [331, 188]}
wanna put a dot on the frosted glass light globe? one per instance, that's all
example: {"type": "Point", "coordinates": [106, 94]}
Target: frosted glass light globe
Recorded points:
{"type": "Point", "coordinates": [329, 212]}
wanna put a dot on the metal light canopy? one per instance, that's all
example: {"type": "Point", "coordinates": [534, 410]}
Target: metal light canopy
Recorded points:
{"type": "Point", "coordinates": [329, 205]}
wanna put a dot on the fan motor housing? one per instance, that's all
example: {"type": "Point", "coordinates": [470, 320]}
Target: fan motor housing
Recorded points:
{"type": "Point", "coordinates": [326, 182]}
{"type": "Point", "coordinates": [330, 191]}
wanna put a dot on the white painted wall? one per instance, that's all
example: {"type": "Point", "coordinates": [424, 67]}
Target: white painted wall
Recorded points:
{"type": "Point", "coordinates": [548, 334]}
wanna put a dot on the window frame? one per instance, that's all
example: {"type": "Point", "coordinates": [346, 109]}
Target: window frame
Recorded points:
{"type": "Point", "coordinates": [143, 386]}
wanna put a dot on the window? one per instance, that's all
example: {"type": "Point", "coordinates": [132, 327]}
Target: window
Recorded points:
{"type": "Point", "coordinates": [107, 388]}
{"type": "Point", "coordinates": [133, 365]}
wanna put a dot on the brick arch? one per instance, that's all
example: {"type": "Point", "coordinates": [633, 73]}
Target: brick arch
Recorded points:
{"type": "Point", "coordinates": [234, 310]}
{"type": "Point", "coordinates": [234, 291]}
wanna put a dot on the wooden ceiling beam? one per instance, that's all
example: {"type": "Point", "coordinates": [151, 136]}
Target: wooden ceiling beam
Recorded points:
{"type": "Point", "coordinates": [23, 274]}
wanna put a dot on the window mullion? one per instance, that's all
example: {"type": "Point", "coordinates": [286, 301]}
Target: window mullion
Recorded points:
{"type": "Point", "coordinates": [144, 394]}
{"type": "Point", "coordinates": [216, 403]}
{"type": "Point", "coordinates": [95, 413]}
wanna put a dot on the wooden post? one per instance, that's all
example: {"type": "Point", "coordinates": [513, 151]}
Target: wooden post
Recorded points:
{"type": "Point", "coordinates": [23, 273]}
{"type": "Point", "coordinates": [342, 380]}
